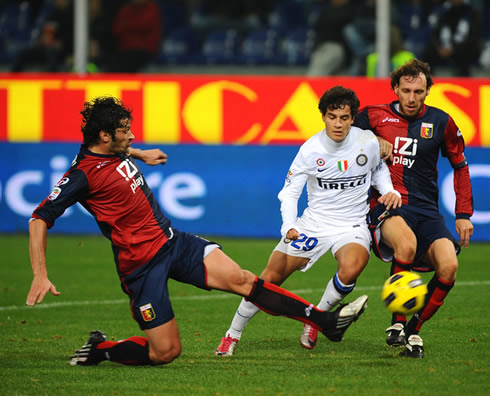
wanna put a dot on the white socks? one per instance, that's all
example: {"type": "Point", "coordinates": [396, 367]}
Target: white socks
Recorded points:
{"type": "Point", "coordinates": [246, 310]}
{"type": "Point", "coordinates": [334, 293]}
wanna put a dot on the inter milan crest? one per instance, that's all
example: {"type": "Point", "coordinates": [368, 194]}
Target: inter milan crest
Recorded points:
{"type": "Point", "coordinates": [361, 160]}
{"type": "Point", "coordinates": [427, 130]}
{"type": "Point", "coordinates": [147, 312]}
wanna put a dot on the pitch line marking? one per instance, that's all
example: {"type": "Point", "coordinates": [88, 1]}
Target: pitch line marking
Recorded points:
{"type": "Point", "coordinates": [199, 297]}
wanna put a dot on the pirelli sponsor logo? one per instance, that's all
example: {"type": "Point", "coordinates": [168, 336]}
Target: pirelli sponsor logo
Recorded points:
{"type": "Point", "coordinates": [341, 183]}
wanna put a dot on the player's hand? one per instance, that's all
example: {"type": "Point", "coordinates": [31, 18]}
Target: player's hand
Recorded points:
{"type": "Point", "coordinates": [464, 228]}
{"type": "Point", "coordinates": [385, 149]}
{"type": "Point", "coordinates": [39, 288]}
{"type": "Point", "coordinates": [150, 157]}
{"type": "Point", "coordinates": [391, 200]}
{"type": "Point", "coordinates": [292, 234]}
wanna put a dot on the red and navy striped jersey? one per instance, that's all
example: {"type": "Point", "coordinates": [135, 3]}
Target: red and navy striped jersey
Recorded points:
{"type": "Point", "coordinates": [416, 146]}
{"type": "Point", "coordinates": [113, 189]}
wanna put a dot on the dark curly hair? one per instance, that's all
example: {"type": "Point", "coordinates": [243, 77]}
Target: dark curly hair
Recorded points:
{"type": "Point", "coordinates": [412, 68]}
{"type": "Point", "coordinates": [338, 97]}
{"type": "Point", "coordinates": [104, 113]}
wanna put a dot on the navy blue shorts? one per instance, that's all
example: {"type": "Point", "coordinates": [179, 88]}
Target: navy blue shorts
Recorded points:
{"type": "Point", "coordinates": [181, 259]}
{"type": "Point", "coordinates": [428, 226]}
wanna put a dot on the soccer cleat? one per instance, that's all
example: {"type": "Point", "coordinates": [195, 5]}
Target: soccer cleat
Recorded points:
{"type": "Point", "coordinates": [227, 346]}
{"type": "Point", "coordinates": [346, 314]}
{"type": "Point", "coordinates": [309, 337]}
{"type": "Point", "coordinates": [414, 347]}
{"type": "Point", "coordinates": [395, 335]}
{"type": "Point", "coordinates": [86, 355]}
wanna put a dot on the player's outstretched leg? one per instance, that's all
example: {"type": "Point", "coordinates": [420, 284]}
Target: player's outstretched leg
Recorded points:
{"type": "Point", "coordinates": [277, 301]}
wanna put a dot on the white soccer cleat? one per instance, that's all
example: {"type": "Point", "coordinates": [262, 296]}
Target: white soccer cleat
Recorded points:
{"type": "Point", "coordinates": [395, 335]}
{"type": "Point", "coordinates": [309, 337]}
{"type": "Point", "coordinates": [227, 346]}
{"type": "Point", "coordinates": [414, 347]}
{"type": "Point", "coordinates": [346, 315]}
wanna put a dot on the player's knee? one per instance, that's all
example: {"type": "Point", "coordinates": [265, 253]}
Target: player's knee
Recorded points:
{"type": "Point", "coordinates": [167, 355]}
{"type": "Point", "coordinates": [405, 249]}
{"type": "Point", "coordinates": [348, 274]}
{"type": "Point", "coordinates": [242, 282]}
{"type": "Point", "coordinates": [448, 270]}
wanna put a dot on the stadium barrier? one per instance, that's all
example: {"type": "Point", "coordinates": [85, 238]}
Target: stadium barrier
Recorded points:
{"type": "Point", "coordinates": [224, 190]}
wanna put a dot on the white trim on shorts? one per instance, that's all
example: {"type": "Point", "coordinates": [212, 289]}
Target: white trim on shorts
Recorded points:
{"type": "Point", "coordinates": [208, 249]}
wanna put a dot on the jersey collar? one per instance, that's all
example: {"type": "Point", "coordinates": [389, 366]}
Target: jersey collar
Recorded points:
{"type": "Point", "coordinates": [395, 107]}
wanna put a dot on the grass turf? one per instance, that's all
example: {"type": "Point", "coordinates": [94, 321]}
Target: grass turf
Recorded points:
{"type": "Point", "coordinates": [37, 342]}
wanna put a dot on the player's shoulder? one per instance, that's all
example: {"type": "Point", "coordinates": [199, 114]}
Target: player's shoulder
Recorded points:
{"type": "Point", "coordinates": [363, 135]}
{"type": "Point", "coordinates": [437, 113]}
{"type": "Point", "coordinates": [312, 142]}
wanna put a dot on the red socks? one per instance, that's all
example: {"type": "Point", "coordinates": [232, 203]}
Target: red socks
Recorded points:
{"type": "Point", "coordinates": [132, 351]}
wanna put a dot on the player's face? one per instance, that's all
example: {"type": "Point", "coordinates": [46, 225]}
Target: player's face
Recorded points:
{"type": "Point", "coordinates": [338, 123]}
{"type": "Point", "coordinates": [411, 94]}
{"type": "Point", "coordinates": [122, 139]}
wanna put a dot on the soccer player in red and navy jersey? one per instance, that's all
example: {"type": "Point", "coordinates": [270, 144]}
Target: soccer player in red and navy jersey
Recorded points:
{"type": "Point", "coordinates": [415, 236]}
{"type": "Point", "coordinates": [108, 183]}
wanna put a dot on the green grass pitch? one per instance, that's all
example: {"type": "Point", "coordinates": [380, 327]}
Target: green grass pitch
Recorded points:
{"type": "Point", "coordinates": [35, 343]}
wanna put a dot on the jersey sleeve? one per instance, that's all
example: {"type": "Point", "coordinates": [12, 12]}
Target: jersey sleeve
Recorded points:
{"type": "Point", "coordinates": [72, 188]}
{"type": "Point", "coordinates": [291, 192]}
{"type": "Point", "coordinates": [453, 149]}
{"type": "Point", "coordinates": [380, 174]}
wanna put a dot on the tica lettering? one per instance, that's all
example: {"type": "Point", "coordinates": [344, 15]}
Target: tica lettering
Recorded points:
{"type": "Point", "coordinates": [342, 184]}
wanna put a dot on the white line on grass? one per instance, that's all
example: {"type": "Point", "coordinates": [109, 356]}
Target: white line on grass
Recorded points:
{"type": "Point", "coordinates": [219, 296]}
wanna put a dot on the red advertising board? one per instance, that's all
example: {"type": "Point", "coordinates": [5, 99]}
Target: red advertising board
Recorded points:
{"type": "Point", "coordinates": [173, 109]}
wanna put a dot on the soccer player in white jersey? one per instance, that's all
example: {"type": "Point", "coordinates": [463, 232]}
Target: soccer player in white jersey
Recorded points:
{"type": "Point", "coordinates": [338, 165]}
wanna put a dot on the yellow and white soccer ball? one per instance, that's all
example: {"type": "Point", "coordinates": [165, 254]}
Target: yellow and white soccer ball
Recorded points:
{"type": "Point", "coordinates": [404, 293]}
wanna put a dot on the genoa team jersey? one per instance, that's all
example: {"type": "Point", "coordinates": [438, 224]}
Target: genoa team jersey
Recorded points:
{"type": "Point", "coordinates": [114, 191]}
{"type": "Point", "coordinates": [416, 146]}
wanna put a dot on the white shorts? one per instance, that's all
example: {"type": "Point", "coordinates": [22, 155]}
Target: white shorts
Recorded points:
{"type": "Point", "coordinates": [313, 244]}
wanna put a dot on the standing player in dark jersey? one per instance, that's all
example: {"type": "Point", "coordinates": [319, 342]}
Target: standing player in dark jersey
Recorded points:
{"type": "Point", "coordinates": [147, 250]}
{"type": "Point", "coordinates": [415, 236]}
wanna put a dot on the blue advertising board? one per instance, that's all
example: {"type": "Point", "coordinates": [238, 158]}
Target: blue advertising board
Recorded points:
{"type": "Point", "coordinates": [207, 190]}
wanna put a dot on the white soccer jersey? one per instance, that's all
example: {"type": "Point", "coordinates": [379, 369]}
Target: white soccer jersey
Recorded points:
{"type": "Point", "coordinates": [338, 178]}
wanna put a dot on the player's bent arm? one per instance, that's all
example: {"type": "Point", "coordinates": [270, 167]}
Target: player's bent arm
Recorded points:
{"type": "Point", "coordinates": [385, 149]}
{"type": "Point", "coordinates": [149, 157]}
{"type": "Point", "coordinates": [391, 200]}
{"type": "Point", "coordinates": [381, 179]}
{"type": "Point", "coordinates": [289, 196]}
{"type": "Point", "coordinates": [40, 285]}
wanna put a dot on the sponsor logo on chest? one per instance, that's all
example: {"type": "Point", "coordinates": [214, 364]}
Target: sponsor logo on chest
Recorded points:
{"type": "Point", "coordinates": [128, 171]}
{"type": "Point", "coordinates": [342, 183]}
{"type": "Point", "coordinates": [404, 147]}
